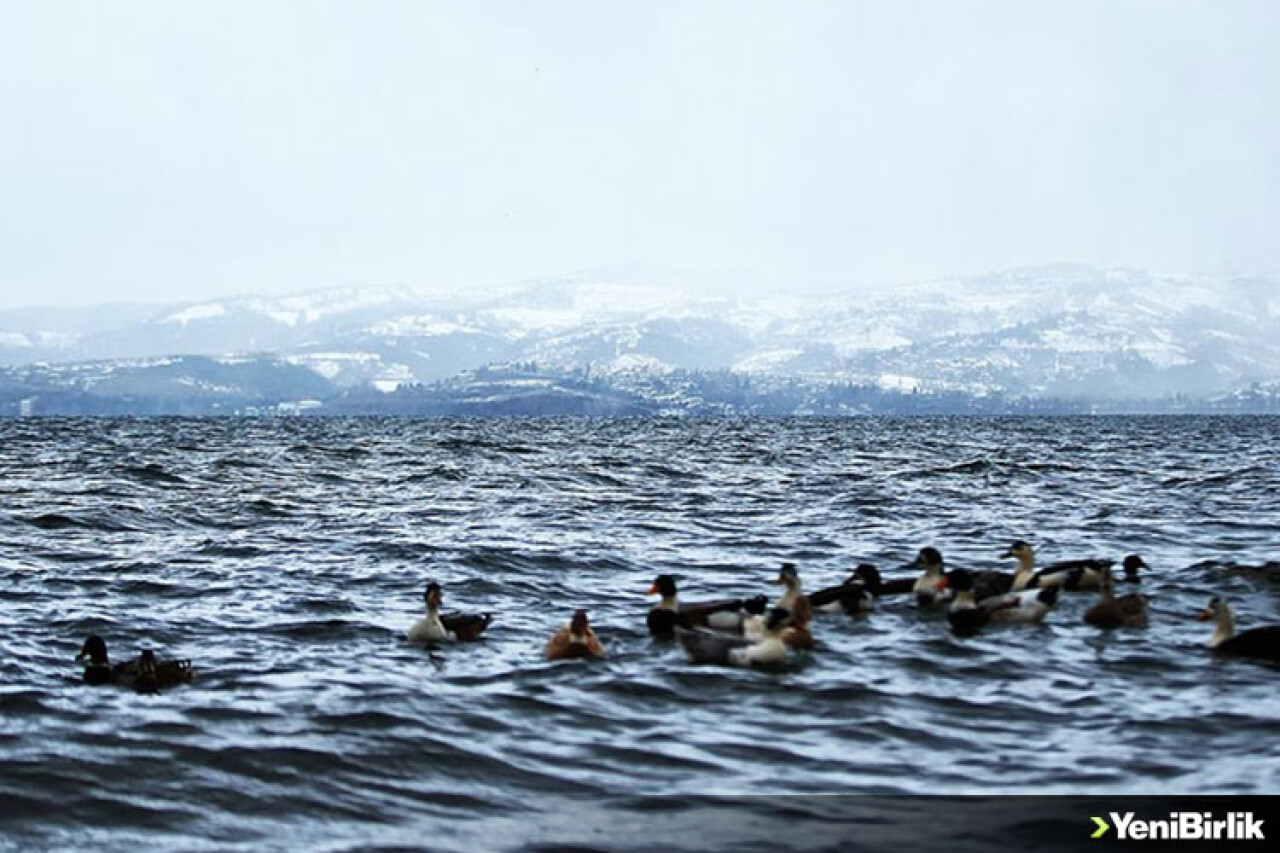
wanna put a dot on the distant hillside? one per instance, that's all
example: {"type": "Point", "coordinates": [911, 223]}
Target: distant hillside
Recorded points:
{"type": "Point", "coordinates": [1060, 333]}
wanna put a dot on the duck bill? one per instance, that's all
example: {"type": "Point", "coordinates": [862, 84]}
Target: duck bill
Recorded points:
{"type": "Point", "coordinates": [1205, 616]}
{"type": "Point", "coordinates": [653, 590]}
{"type": "Point", "coordinates": [941, 585]}
{"type": "Point", "coordinates": [1006, 554]}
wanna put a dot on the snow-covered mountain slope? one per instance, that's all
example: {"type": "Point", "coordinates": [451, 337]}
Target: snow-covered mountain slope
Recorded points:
{"type": "Point", "coordinates": [1054, 331]}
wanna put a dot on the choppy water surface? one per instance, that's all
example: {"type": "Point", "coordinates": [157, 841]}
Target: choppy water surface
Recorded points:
{"type": "Point", "coordinates": [287, 558]}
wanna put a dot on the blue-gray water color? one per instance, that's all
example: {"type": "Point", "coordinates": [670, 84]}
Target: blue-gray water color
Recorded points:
{"type": "Point", "coordinates": [288, 557]}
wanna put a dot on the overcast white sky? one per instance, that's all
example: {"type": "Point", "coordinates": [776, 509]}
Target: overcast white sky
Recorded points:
{"type": "Point", "coordinates": [179, 150]}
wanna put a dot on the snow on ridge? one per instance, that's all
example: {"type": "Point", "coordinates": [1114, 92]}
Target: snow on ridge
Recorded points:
{"type": "Point", "coordinates": [423, 326]}
{"type": "Point", "coordinates": [203, 311]}
{"type": "Point", "coordinates": [15, 340]}
{"type": "Point", "coordinates": [636, 363]}
{"type": "Point", "coordinates": [331, 364]}
{"type": "Point", "coordinates": [768, 360]}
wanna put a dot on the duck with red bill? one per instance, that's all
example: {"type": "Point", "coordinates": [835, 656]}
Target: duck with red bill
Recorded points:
{"type": "Point", "coordinates": [669, 614]}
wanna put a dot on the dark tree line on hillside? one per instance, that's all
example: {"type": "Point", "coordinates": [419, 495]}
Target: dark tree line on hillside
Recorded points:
{"type": "Point", "coordinates": [203, 387]}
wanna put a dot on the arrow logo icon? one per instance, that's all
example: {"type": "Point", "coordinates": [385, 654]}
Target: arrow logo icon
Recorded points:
{"type": "Point", "coordinates": [1103, 826]}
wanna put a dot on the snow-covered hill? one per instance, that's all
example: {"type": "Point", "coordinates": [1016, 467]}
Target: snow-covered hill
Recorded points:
{"type": "Point", "coordinates": [1057, 331]}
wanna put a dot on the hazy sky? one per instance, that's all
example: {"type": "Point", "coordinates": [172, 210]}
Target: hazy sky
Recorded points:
{"type": "Point", "coordinates": [178, 150]}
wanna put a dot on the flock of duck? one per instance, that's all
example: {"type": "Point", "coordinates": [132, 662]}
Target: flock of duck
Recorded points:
{"type": "Point", "coordinates": [749, 632]}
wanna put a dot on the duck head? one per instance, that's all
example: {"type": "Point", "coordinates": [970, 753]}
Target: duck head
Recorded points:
{"type": "Point", "coordinates": [1220, 612]}
{"type": "Point", "coordinates": [663, 585]}
{"type": "Point", "coordinates": [1131, 565]}
{"type": "Point", "coordinates": [929, 560]}
{"type": "Point", "coordinates": [925, 558]}
{"type": "Point", "coordinates": [1019, 551]}
{"type": "Point", "coordinates": [433, 597]}
{"type": "Point", "coordinates": [94, 651]}
{"type": "Point", "coordinates": [579, 625]}
{"type": "Point", "coordinates": [867, 575]}
{"type": "Point", "coordinates": [788, 576]}
{"type": "Point", "coordinates": [1216, 608]}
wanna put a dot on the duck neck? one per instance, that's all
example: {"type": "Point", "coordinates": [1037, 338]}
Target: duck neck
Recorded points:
{"type": "Point", "coordinates": [963, 600]}
{"type": "Point", "coordinates": [789, 596]}
{"type": "Point", "coordinates": [1224, 626]}
{"type": "Point", "coordinates": [928, 582]}
{"type": "Point", "coordinates": [1026, 571]}
{"type": "Point", "coordinates": [669, 603]}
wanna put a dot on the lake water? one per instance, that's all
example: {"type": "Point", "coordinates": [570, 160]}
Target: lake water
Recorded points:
{"type": "Point", "coordinates": [287, 558]}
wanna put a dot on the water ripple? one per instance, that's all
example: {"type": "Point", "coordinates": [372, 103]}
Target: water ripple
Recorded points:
{"type": "Point", "coordinates": [288, 557]}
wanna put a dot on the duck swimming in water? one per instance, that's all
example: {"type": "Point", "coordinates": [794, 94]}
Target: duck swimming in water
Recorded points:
{"type": "Point", "coordinates": [155, 675]}
{"type": "Point", "coordinates": [1071, 575]}
{"type": "Point", "coordinates": [929, 588]}
{"type": "Point", "coordinates": [1127, 611]}
{"type": "Point", "coordinates": [725, 614]}
{"type": "Point", "coordinates": [1262, 643]}
{"type": "Point", "coordinates": [968, 615]}
{"type": "Point", "coordinates": [146, 674]}
{"type": "Point", "coordinates": [769, 650]}
{"type": "Point", "coordinates": [793, 599]}
{"type": "Point", "coordinates": [574, 640]}
{"type": "Point", "coordinates": [795, 604]}
{"type": "Point", "coordinates": [856, 595]}
{"type": "Point", "coordinates": [435, 628]}
{"type": "Point", "coordinates": [1130, 566]}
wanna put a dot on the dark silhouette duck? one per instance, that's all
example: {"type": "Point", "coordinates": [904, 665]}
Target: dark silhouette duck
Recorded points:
{"type": "Point", "coordinates": [147, 674]}
{"type": "Point", "coordinates": [575, 640]}
{"type": "Point", "coordinates": [1131, 565]}
{"type": "Point", "coordinates": [436, 627]}
{"type": "Point", "coordinates": [856, 595]}
{"type": "Point", "coordinates": [156, 675]}
{"type": "Point", "coordinates": [1262, 643]}
{"type": "Point", "coordinates": [1110, 611]}
{"type": "Point", "coordinates": [725, 614]}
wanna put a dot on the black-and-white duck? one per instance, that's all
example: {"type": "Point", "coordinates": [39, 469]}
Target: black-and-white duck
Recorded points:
{"type": "Point", "coordinates": [856, 595]}
{"type": "Point", "coordinates": [967, 615]}
{"type": "Point", "coordinates": [670, 613]}
{"type": "Point", "coordinates": [929, 588]}
{"type": "Point", "coordinates": [1071, 575]}
{"type": "Point", "coordinates": [435, 627]}
{"type": "Point", "coordinates": [770, 649]}
{"type": "Point", "coordinates": [1262, 643]}
{"type": "Point", "coordinates": [1110, 611]}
